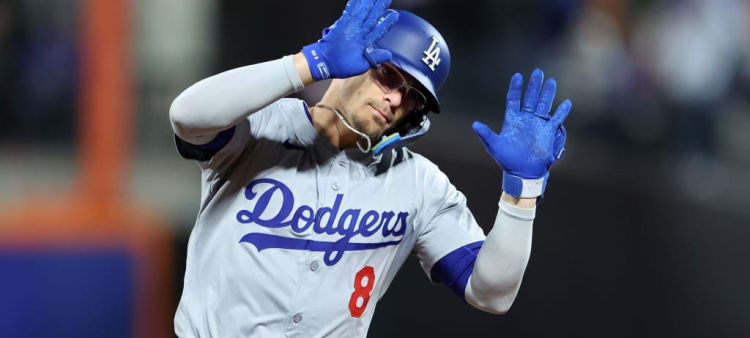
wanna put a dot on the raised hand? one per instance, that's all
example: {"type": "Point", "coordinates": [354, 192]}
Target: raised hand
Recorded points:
{"type": "Point", "coordinates": [347, 47]}
{"type": "Point", "coordinates": [530, 140]}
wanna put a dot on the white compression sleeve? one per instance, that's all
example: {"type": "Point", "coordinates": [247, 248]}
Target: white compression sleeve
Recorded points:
{"type": "Point", "coordinates": [223, 100]}
{"type": "Point", "coordinates": [502, 260]}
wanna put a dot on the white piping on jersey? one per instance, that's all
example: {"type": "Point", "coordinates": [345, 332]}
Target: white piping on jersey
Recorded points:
{"type": "Point", "coordinates": [341, 117]}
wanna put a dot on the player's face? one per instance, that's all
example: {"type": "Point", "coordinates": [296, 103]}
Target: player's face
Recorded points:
{"type": "Point", "coordinates": [380, 99]}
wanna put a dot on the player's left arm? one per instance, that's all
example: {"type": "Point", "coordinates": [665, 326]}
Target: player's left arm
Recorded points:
{"type": "Point", "coordinates": [529, 142]}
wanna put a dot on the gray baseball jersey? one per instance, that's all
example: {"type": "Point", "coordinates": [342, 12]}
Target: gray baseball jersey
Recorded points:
{"type": "Point", "coordinates": [296, 238]}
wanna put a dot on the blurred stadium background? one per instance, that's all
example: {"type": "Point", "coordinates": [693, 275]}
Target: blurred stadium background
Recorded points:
{"type": "Point", "coordinates": [643, 232]}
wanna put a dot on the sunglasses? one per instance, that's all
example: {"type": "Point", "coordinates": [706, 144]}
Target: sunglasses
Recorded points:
{"type": "Point", "coordinates": [389, 79]}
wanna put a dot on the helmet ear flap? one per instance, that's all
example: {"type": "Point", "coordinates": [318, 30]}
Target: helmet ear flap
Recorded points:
{"type": "Point", "coordinates": [410, 125]}
{"type": "Point", "coordinates": [406, 132]}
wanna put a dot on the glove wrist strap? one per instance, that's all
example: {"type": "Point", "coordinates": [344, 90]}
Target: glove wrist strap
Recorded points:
{"type": "Point", "coordinates": [523, 187]}
{"type": "Point", "coordinates": [316, 61]}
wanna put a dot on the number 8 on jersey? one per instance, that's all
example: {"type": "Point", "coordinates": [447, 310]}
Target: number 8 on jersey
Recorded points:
{"type": "Point", "coordinates": [364, 281]}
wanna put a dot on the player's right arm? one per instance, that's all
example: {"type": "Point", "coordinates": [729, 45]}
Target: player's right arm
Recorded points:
{"type": "Point", "coordinates": [221, 101]}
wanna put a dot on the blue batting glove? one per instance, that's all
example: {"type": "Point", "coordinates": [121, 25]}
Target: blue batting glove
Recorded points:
{"type": "Point", "coordinates": [347, 47]}
{"type": "Point", "coordinates": [531, 140]}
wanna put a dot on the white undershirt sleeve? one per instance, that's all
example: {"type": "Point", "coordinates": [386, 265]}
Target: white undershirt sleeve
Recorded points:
{"type": "Point", "coordinates": [221, 101]}
{"type": "Point", "coordinates": [501, 262]}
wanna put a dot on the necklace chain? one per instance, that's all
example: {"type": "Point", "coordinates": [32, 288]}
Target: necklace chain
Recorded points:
{"type": "Point", "coordinates": [361, 134]}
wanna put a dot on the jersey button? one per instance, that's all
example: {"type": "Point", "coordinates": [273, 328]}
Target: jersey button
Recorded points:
{"type": "Point", "coordinates": [335, 186]}
{"type": "Point", "coordinates": [297, 318]}
{"type": "Point", "coordinates": [314, 266]}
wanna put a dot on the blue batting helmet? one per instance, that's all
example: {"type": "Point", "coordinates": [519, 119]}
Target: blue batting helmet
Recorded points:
{"type": "Point", "coordinates": [419, 50]}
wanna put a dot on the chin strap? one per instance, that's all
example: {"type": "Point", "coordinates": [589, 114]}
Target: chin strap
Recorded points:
{"type": "Point", "coordinates": [361, 134]}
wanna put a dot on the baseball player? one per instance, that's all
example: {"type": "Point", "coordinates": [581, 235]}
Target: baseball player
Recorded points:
{"type": "Point", "coordinates": [308, 212]}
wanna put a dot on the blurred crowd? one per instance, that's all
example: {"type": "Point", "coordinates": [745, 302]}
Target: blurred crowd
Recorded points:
{"type": "Point", "coordinates": [650, 74]}
{"type": "Point", "coordinates": [39, 66]}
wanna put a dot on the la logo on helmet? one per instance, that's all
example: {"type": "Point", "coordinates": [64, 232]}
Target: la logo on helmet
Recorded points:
{"type": "Point", "coordinates": [432, 55]}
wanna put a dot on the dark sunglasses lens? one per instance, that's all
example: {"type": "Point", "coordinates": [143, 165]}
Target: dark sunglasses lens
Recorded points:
{"type": "Point", "coordinates": [415, 99]}
{"type": "Point", "coordinates": [389, 77]}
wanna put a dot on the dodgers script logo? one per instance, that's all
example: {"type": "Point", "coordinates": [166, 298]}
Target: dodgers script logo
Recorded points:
{"type": "Point", "coordinates": [348, 223]}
